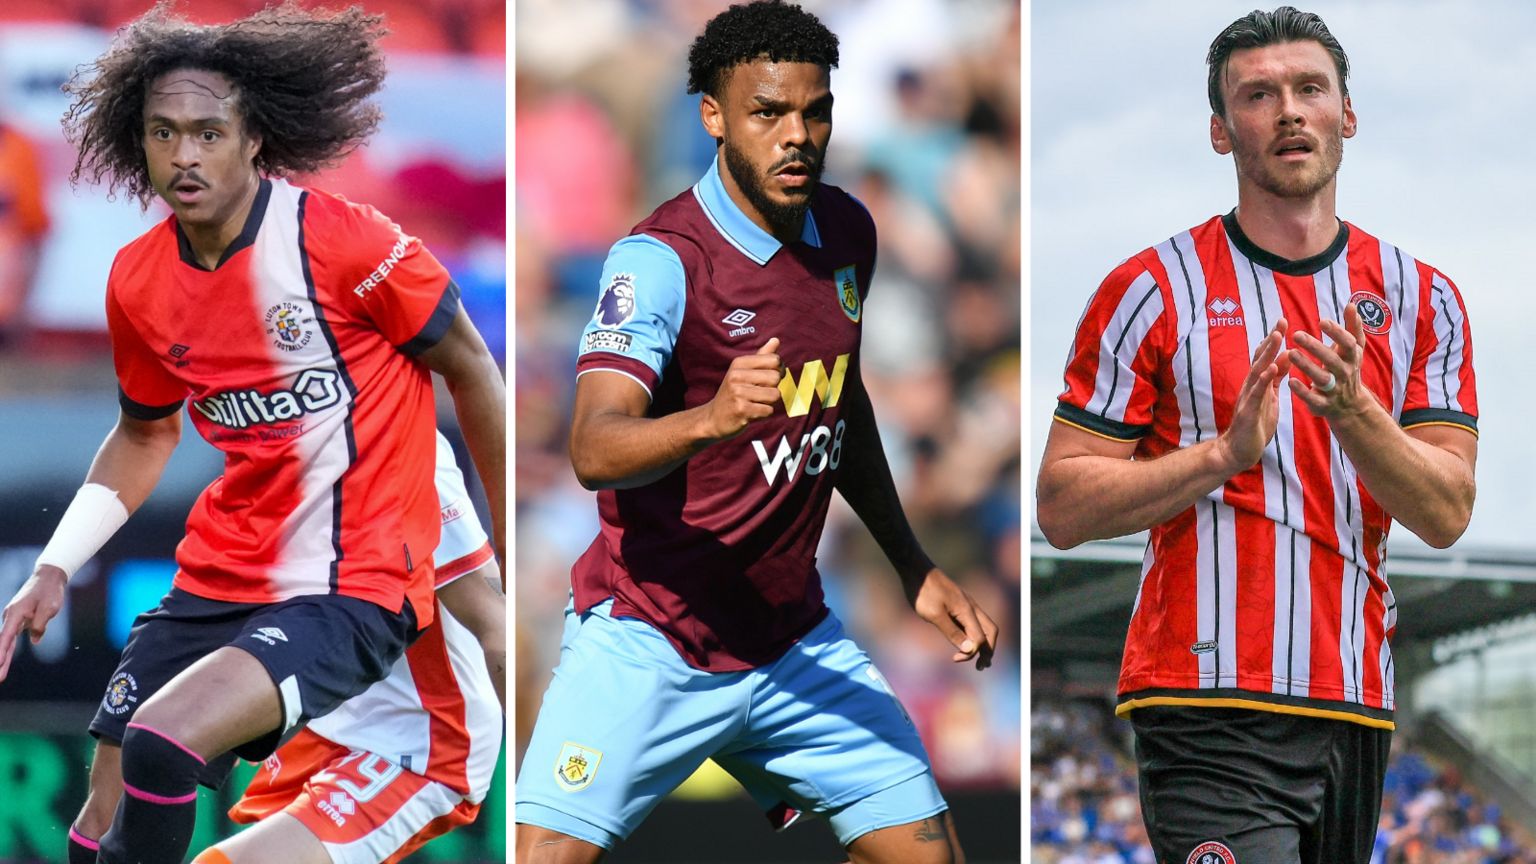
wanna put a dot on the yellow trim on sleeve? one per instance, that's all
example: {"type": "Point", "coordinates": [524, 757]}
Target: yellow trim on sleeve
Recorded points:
{"type": "Point", "coordinates": [1442, 423]}
{"type": "Point", "coordinates": [1125, 708]}
{"type": "Point", "coordinates": [1058, 418]}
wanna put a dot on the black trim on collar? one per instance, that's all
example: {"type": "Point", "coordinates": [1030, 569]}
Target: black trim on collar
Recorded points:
{"type": "Point", "coordinates": [247, 232]}
{"type": "Point", "coordinates": [1271, 261]}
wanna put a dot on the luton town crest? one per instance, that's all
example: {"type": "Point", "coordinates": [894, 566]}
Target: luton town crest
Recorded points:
{"type": "Point", "coordinates": [290, 325]}
{"type": "Point", "coordinates": [576, 766]}
{"type": "Point", "coordinates": [848, 293]}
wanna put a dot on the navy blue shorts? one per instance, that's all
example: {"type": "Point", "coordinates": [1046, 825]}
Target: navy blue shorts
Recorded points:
{"type": "Point", "coordinates": [320, 650]}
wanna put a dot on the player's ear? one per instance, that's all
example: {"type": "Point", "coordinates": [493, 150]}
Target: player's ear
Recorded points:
{"type": "Point", "coordinates": [712, 115]}
{"type": "Point", "coordinates": [1349, 118]}
{"type": "Point", "coordinates": [1221, 139]}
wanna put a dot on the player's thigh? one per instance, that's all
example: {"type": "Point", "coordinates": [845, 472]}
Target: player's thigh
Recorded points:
{"type": "Point", "coordinates": [1346, 834]}
{"type": "Point", "coordinates": [536, 845]}
{"type": "Point", "coordinates": [926, 841]}
{"type": "Point", "coordinates": [220, 701]}
{"type": "Point", "coordinates": [1225, 785]}
{"type": "Point", "coordinates": [623, 723]}
{"type": "Point", "coordinates": [828, 736]}
{"type": "Point", "coordinates": [277, 838]}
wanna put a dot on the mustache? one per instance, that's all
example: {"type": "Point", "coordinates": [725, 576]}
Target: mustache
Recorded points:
{"type": "Point", "coordinates": [185, 176]}
{"type": "Point", "coordinates": [807, 158]}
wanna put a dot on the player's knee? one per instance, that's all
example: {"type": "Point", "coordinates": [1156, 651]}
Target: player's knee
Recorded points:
{"type": "Point", "coordinates": [537, 845]}
{"type": "Point", "coordinates": [156, 763]}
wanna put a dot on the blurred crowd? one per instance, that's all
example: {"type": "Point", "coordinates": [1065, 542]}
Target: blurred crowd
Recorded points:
{"type": "Point", "coordinates": [926, 134]}
{"type": "Point", "coordinates": [1084, 807]}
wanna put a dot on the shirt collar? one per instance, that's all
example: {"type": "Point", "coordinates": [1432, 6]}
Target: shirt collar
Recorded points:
{"type": "Point", "coordinates": [735, 227]}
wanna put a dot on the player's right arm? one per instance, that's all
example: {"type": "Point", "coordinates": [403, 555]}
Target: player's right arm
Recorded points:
{"type": "Point", "coordinates": [1089, 485]}
{"type": "Point", "coordinates": [125, 471]}
{"type": "Point", "coordinates": [615, 446]}
{"type": "Point", "coordinates": [625, 349]}
{"type": "Point", "coordinates": [476, 601]}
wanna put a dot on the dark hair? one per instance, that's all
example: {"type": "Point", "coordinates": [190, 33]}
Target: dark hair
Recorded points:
{"type": "Point", "coordinates": [766, 29]}
{"type": "Point", "coordinates": [1257, 29]}
{"type": "Point", "coordinates": [302, 79]}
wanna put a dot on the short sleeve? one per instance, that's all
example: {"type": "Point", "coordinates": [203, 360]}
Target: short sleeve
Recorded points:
{"type": "Point", "coordinates": [639, 312]}
{"type": "Point", "coordinates": [1109, 383]}
{"type": "Point", "coordinates": [403, 289]}
{"type": "Point", "coordinates": [1442, 388]}
{"type": "Point", "coordinates": [146, 390]}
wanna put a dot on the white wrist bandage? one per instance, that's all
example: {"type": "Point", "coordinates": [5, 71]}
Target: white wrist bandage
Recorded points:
{"type": "Point", "coordinates": [91, 520]}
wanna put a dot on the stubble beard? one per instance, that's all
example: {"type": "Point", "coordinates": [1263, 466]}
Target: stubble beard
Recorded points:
{"type": "Point", "coordinates": [782, 217]}
{"type": "Point", "coordinates": [1292, 184]}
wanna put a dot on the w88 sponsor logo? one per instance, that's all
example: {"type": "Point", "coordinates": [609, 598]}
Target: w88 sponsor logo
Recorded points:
{"type": "Point", "coordinates": [820, 449]}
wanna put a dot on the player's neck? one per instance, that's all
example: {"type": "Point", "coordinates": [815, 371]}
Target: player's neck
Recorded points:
{"type": "Point", "coordinates": [1292, 228]}
{"type": "Point", "coordinates": [209, 239]}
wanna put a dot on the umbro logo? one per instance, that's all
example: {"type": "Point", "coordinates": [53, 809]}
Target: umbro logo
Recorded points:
{"type": "Point", "coordinates": [738, 319]}
{"type": "Point", "coordinates": [1224, 313]}
{"type": "Point", "coordinates": [176, 353]}
{"type": "Point", "coordinates": [270, 635]}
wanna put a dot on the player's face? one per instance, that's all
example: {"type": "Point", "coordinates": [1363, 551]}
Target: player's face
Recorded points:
{"type": "Point", "coordinates": [199, 157]}
{"type": "Point", "coordinates": [775, 120]}
{"type": "Point", "coordinates": [1287, 118]}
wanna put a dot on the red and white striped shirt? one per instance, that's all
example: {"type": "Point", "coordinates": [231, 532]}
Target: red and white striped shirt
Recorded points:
{"type": "Point", "coordinates": [1270, 592]}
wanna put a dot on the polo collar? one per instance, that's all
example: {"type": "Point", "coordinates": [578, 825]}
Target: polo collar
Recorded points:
{"type": "Point", "coordinates": [735, 227]}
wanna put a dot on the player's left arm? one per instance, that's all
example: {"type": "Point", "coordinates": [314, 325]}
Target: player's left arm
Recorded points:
{"type": "Point", "coordinates": [480, 402]}
{"type": "Point", "coordinates": [476, 601]}
{"type": "Point", "coordinates": [1423, 475]}
{"type": "Point", "coordinates": [864, 479]}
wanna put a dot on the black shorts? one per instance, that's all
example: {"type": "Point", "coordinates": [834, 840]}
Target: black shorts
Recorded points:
{"type": "Point", "coordinates": [1236, 786]}
{"type": "Point", "coordinates": [320, 650]}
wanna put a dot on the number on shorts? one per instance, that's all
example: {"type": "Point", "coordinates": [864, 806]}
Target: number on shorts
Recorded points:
{"type": "Point", "coordinates": [379, 771]}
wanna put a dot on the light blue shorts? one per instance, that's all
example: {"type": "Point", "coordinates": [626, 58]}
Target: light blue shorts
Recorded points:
{"type": "Point", "coordinates": [625, 721]}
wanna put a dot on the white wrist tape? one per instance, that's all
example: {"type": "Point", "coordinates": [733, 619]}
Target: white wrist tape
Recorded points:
{"type": "Point", "coordinates": [91, 520]}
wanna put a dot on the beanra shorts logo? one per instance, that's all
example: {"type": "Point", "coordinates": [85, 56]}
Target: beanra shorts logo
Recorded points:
{"type": "Point", "coordinates": [119, 699]}
{"type": "Point", "coordinates": [576, 766]}
{"type": "Point", "coordinates": [1375, 314]}
{"type": "Point", "coordinates": [617, 305]}
{"type": "Point", "coordinates": [289, 327]}
{"type": "Point", "coordinates": [1211, 852]}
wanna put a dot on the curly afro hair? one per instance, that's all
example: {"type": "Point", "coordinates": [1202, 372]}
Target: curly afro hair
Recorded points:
{"type": "Point", "coordinates": [303, 80]}
{"type": "Point", "coordinates": [764, 29]}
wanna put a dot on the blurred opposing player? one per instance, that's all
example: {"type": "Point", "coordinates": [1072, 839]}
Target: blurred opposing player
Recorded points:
{"type": "Point", "coordinates": [412, 757]}
{"type": "Point", "coordinates": [698, 628]}
{"type": "Point", "coordinates": [1258, 666]}
{"type": "Point", "coordinates": [304, 329]}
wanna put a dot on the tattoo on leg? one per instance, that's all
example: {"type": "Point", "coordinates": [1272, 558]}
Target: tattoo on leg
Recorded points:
{"type": "Point", "coordinates": [932, 829]}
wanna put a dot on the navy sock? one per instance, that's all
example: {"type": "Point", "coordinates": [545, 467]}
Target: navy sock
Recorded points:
{"type": "Point", "coordinates": [155, 817]}
{"type": "Point", "coordinates": [82, 849]}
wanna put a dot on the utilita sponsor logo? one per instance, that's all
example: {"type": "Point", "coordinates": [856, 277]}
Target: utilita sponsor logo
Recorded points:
{"type": "Point", "coordinates": [313, 390]}
{"type": "Point", "coordinates": [381, 272]}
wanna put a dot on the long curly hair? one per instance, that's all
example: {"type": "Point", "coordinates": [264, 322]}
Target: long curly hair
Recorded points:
{"type": "Point", "coordinates": [303, 81]}
{"type": "Point", "coordinates": [768, 29]}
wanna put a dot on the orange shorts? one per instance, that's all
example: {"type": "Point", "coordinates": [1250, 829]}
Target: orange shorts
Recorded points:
{"type": "Point", "coordinates": [363, 808]}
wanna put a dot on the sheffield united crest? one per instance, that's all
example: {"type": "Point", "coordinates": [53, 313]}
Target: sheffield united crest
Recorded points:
{"type": "Point", "coordinates": [1211, 852]}
{"type": "Point", "coordinates": [847, 286]}
{"type": "Point", "coordinates": [1375, 314]}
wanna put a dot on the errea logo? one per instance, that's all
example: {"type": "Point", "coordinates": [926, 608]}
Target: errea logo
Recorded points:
{"type": "Point", "coordinates": [1224, 313]}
